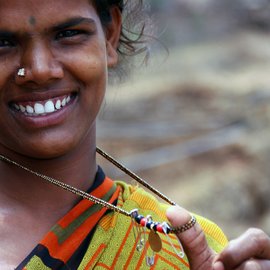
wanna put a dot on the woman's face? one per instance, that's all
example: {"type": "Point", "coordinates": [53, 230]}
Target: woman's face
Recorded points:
{"type": "Point", "coordinates": [63, 48]}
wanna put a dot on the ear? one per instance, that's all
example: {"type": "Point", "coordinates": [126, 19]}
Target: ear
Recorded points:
{"type": "Point", "coordinates": [112, 32]}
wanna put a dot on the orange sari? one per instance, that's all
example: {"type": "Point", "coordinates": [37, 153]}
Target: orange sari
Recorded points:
{"type": "Point", "coordinates": [91, 237]}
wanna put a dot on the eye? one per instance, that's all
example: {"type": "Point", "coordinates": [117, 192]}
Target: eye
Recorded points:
{"type": "Point", "coordinates": [70, 33]}
{"type": "Point", "coordinates": [6, 43]}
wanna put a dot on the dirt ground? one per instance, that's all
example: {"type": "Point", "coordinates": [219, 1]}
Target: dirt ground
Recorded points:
{"type": "Point", "coordinates": [197, 127]}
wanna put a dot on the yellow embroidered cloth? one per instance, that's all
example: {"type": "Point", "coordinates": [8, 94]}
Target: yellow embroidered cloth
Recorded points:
{"type": "Point", "coordinates": [90, 237]}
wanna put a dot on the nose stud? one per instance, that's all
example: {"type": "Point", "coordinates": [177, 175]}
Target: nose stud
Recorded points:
{"type": "Point", "coordinates": [21, 72]}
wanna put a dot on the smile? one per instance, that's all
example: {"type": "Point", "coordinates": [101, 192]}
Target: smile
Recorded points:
{"type": "Point", "coordinates": [42, 108]}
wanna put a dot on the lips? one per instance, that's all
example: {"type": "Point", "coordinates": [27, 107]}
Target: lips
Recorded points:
{"type": "Point", "coordinates": [42, 108]}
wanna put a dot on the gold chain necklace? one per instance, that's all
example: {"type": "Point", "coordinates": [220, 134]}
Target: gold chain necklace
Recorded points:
{"type": "Point", "coordinates": [144, 222]}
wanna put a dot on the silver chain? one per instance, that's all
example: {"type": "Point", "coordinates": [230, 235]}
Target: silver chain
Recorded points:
{"type": "Point", "coordinates": [68, 188]}
{"type": "Point", "coordinates": [101, 202]}
{"type": "Point", "coordinates": [89, 196]}
{"type": "Point", "coordinates": [134, 176]}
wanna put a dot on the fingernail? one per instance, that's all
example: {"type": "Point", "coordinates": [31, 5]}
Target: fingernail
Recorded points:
{"type": "Point", "coordinates": [177, 215]}
{"type": "Point", "coordinates": [218, 266]}
{"type": "Point", "coordinates": [175, 209]}
{"type": "Point", "coordinates": [172, 209]}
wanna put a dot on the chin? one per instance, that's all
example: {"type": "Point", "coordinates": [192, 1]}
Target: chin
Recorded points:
{"type": "Point", "coordinates": [46, 154]}
{"type": "Point", "coordinates": [49, 150]}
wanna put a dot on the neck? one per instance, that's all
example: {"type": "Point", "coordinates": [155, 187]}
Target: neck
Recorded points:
{"type": "Point", "coordinates": [19, 187]}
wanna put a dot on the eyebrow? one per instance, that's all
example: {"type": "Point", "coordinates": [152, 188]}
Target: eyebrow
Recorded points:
{"type": "Point", "coordinates": [57, 27]}
{"type": "Point", "coordinates": [72, 22]}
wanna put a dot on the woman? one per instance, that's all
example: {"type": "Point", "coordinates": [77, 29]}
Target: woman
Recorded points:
{"type": "Point", "coordinates": [54, 59]}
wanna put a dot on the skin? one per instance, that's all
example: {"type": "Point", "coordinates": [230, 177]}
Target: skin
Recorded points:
{"type": "Point", "coordinates": [32, 20]}
{"type": "Point", "coordinates": [66, 56]}
{"type": "Point", "coordinates": [62, 56]}
{"type": "Point", "coordinates": [251, 251]}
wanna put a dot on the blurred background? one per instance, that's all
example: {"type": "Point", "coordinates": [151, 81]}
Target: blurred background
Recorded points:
{"type": "Point", "coordinates": [195, 121]}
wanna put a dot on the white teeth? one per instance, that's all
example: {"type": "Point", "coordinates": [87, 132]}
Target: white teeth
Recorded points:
{"type": "Point", "coordinates": [49, 107]}
{"type": "Point", "coordinates": [39, 108]}
{"type": "Point", "coordinates": [29, 109]}
{"type": "Point", "coordinates": [22, 108]}
{"type": "Point", "coordinates": [64, 102]}
{"type": "Point", "coordinates": [58, 104]}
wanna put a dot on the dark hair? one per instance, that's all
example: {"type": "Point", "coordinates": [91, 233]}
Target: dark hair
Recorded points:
{"type": "Point", "coordinates": [133, 27]}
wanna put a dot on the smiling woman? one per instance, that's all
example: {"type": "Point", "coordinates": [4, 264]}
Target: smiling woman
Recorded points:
{"type": "Point", "coordinates": [54, 61]}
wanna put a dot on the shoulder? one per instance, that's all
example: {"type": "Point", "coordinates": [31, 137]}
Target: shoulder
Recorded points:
{"type": "Point", "coordinates": [137, 197]}
{"type": "Point", "coordinates": [119, 244]}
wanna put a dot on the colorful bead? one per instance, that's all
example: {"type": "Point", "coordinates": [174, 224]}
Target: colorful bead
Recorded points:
{"type": "Point", "coordinates": [150, 224]}
{"type": "Point", "coordinates": [160, 228]}
{"type": "Point", "coordinates": [138, 218]}
{"type": "Point", "coordinates": [155, 226]}
{"type": "Point", "coordinates": [143, 222]}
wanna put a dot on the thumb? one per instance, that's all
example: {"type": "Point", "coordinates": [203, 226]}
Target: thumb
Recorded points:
{"type": "Point", "coordinates": [200, 256]}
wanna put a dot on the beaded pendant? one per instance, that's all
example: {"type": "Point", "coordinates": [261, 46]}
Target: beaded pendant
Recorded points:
{"type": "Point", "coordinates": [142, 223]}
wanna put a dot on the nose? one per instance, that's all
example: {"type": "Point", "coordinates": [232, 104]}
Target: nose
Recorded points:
{"type": "Point", "coordinates": [40, 64]}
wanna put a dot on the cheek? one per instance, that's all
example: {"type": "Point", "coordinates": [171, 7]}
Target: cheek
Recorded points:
{"type": "Point", "coordinates": [87, 63]}
{"type": "Point", "coordinates": [89, 69]}
{"type": "Point", "coordinates": [90, 72]}
{"type": "Point", "coordinates": [9, 68]}
{"type": "Point", "coordinates": [93, 73]}
{"type": "Point", "coordinates": [8, 138]}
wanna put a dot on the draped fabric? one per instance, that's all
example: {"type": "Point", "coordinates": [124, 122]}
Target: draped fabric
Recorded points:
{"type": "Point", "coordinates": [91, 237]}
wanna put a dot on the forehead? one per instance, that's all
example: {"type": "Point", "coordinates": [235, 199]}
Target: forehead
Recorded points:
{"type": "Point", "coordinates": [14, 13]}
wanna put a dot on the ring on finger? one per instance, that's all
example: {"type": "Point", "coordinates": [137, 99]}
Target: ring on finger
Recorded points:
{"type": "Point", "coordinates": [191, 223]}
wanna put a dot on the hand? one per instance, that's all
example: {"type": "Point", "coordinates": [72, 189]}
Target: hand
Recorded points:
{"type": "Point", "coordinates": [251, 251]}
{"type": "Point", "coordinates": [200, 255]}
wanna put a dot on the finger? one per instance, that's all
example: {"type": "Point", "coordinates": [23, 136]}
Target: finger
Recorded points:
{"type": "Point", "coordinates": [248, 265]}
{"type": "Point", "coordinates": [218, 266]}
{"type": "Point", "coordinates": [200, 256]}
{"type": "Point", "coordinates": [254, 243]}
{"type": "Point", "coordinates": [255, 265]}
